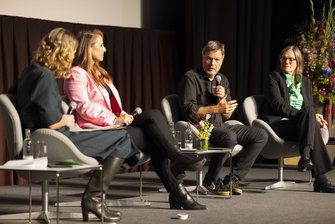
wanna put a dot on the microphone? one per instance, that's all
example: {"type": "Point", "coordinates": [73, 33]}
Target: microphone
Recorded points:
{"type": "Point", "coordinates": [218, 80]}
{"type": "Point", "coordinates": [218, 83]}
{"type": "Point", "coordinates": [137, 111]}
{"type": "Point", "coordinates": [72, 107]}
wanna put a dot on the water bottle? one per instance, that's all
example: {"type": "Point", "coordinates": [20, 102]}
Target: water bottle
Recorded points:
{"type": "Point", "coordinates": [171, 124]}
{"type": "Point", "coordinates": [188, 137]}
{"type": "Point", "coordinates": [27, 146]}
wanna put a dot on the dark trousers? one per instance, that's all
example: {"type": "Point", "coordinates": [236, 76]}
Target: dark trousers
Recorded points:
{"type": "Point", "coordinates": [252, 139]}
{"type": "Point", "coordinates": [151, 134]}
{"type": "Point", "coordinates": [306, 130]}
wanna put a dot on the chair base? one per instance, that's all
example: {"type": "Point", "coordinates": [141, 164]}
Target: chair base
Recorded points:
{"type": "Point", "coordinates": [289, 185]}
{"type": "Point", "coordinates": [110, 203]}
{"type": "Point", "coordinates": [43, 215]}
{"type": "Point", "coordinates": [280, 184]}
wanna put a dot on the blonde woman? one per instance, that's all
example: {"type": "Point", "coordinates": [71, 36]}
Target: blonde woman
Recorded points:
{"type": "Point", "coordinates": [39, 106]}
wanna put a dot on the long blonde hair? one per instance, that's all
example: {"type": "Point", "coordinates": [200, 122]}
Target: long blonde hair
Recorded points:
{"type": "Point", "coordinates": [83, 57]}
{"type": "Point", "coordinates": [56, 52]}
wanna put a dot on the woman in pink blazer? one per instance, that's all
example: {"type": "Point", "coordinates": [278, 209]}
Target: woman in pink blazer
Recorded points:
{"type": "Point", "coordinates": [99, 104]}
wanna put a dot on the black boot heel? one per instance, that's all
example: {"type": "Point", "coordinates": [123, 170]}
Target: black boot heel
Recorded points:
{"type": "Point", "coordinates": [85, 215]}
{"type": "Point", "coordinates": [99, 209]}
{"type": "Point", "coordinates": [173, 203]}
{"type": "Point", "coordinates": [179, 198]}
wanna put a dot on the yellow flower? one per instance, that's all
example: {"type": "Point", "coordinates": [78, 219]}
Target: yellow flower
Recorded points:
{"type": "Point", "coordinates": [205, 128]}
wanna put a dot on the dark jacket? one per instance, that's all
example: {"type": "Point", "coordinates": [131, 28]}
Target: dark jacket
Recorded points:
{"type": "Point", "coordinates": [277, 104]}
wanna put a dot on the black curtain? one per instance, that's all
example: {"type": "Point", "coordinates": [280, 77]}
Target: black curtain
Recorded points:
{"type": "Point", "coordinates": [147, 64]}
{"type": "Point", "coordinates": [142, 62]}
{"type": "Point", "coordinates": [253, 31]}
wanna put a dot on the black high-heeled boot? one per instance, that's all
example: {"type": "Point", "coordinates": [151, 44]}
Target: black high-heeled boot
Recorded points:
{"type": "Point", "coordinates": [179, 198]}
{"type": "Point", "coordinates": [94, 205]}
{"type": "Point", "coordinates": [305, 163]}
{"type": "Point", "coordinates": [91, 200]}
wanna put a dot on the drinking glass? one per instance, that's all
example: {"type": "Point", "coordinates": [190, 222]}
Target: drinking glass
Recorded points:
{"type": "Point", "coordinates": [40, 149]}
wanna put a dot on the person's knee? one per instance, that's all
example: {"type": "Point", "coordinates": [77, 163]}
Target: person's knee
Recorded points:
{"type": "Point", "coordinates": [262, 135]}
{"type": "Point", "coordinates": [154, 115]}
{"type": "Point", "coordinates": [231, 139]}
{"type": "Point", "coordinates": [224, 140]}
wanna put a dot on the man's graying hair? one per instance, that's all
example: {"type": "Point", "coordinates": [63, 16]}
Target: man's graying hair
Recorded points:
{"type": "Point", "coordinates": [213, 45]}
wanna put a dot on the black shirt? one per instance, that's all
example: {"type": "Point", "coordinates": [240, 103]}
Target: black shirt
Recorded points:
{"type": "Point", "coordinates": [38, 98]}
{"type": "Point", "coordinates": [196, 90]}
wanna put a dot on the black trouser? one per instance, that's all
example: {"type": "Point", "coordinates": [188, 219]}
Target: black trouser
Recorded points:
{"type": "Point", "coordinates": [151, 133]}
{"type": "Point", "coordinates": [306, 130]}
{"type": "Point", "coordinates": [251, 138]}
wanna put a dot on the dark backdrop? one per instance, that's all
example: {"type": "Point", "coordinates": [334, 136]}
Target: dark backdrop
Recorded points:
{"type": "Point", "coordinates": [147, 63]}
{"type": "Point", "coordinates": [142, 62]}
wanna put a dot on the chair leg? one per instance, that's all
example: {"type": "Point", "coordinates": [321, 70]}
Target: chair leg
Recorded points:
{"type": "Point", "coordinates": [284, 184]}
{"type": "Point", "coordinates": [44, 214]}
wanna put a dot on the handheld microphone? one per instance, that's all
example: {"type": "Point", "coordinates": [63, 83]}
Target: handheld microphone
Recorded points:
{"type": "Point", "coordinates": [137, 111]}
{"type": "Point", "coordinates": [72, 107]}
{"type": "Point", "coordinates": [218, 83]}
{"type": "Point", "coordinates": [218, 80]}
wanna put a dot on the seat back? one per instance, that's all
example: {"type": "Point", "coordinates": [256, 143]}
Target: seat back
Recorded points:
{"type": "Point", "coordinates": [11, 125]}
{"type": "Point", "coordinates": [171, 108]}
{"type": "Point", "coordinates": [252, 107]}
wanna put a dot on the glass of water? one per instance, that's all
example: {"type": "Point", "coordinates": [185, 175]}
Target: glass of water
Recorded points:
{"type": "Point", "coordinates": [40, 149]}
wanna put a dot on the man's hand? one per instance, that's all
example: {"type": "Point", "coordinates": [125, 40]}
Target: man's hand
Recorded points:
{"type": "Point", "coordinates": [220, 92]}
{"type": "Point", "coordinates": [227, 107]}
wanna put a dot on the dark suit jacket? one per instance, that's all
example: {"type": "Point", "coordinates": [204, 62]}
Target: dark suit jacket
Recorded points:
{"type": "Point", "coordinates": [277, 104]}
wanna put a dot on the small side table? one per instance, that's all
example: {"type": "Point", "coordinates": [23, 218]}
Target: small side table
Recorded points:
{"type": "Point", "coordinates": [53, 171]}
{"type": "Point", "coordinates": [211, 150]}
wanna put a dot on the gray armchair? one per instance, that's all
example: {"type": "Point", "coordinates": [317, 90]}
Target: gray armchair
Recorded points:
{"type": "Point", "coordinates": [57, 143]}
{"type": "Point", "coordinates": [276, 148]}
{"type": "Point", "coordinates": [172, 111]}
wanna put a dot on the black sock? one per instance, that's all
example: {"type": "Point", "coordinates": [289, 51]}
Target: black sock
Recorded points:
{"type": "Point", "coordinates": [306, 152]}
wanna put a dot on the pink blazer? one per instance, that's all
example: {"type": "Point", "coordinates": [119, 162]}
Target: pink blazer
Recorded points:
{"type": "Point", "coordinates": [93, 103]}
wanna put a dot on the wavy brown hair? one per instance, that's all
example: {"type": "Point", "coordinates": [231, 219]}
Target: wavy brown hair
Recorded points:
{"type": "Point", "coordinates": [84, 59]}
{"type": "Point", "coordinates": [56, 52]}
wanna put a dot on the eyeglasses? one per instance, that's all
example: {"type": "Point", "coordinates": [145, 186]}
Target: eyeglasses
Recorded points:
{"type": "Point", "coordinates": [284, 59]}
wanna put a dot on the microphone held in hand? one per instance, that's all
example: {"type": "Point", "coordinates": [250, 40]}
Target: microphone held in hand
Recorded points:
{"type": "Point", "coordinates": [137, 111]}
{"type": "Point", "coordinates": [218, 83]}
{"type": "Point", "coordinates": [72, 107]}
{"type": "Point", "coordinates": [218, 80]}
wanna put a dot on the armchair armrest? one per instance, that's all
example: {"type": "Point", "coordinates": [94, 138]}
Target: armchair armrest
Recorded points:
{"type": "Point", "coordinates": [61, 147]}
{"type": "Point", "coordinates": [233, 122]}
{"type": "Point", "coordinates": [182, 125]}
{"type": "Point", "coordinates": [262, 124]}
